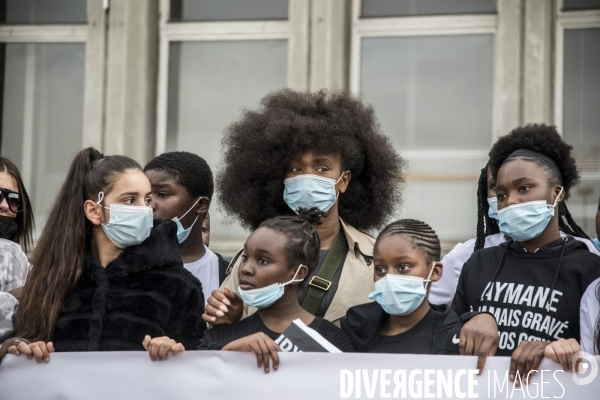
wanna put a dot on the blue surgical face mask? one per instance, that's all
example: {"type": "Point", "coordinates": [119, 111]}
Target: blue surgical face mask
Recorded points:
{"type": "Point", "coordinates": [400, 294]}
{"type": "Point", "coordinates": [265, 296]}
{"type": "Point", "coordinates": [128, 225]}
{"type": "Point", "coordinates": [182, 234]}
{"type": "Point", "coordinates": [309, 191]}
{"type": "Point", "coordinates": [596, 243]}
{"type": "Point", "coordinates": [493, 210]}
{"type": "Point", "coordinates": [526, 221]}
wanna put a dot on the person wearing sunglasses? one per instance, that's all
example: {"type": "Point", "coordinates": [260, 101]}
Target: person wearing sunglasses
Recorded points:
{"type": "Point", "coordinates": [16, 228]}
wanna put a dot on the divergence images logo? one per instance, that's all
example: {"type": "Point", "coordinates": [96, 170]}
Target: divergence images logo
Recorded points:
{"type": "Point", "coordinates": [588, 362]}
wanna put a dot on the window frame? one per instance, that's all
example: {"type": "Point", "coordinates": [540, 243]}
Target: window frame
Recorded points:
{"type": "Point", "coordinates": [34, 34]}
{"type": "Point", "coordinates": [578, 19]}
{"type": "Point", "coordinates": [429, 25]}
{"type": "Point", "coordinates": [295, 30]}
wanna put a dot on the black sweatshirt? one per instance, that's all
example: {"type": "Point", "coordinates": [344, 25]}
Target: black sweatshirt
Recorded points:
{"type": "Point", "coordinates": [219, 336]}
{"type": "Point", "coordinates": [437, 333]}
{"type": "Point", "coordinates": [533, 296]}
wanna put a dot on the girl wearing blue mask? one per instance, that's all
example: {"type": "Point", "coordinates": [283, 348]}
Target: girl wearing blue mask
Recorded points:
{"type": "Point", "coordinates": [401, 320]}
{"type": "Point", "coordinates": [534, 283]}
{"type": "Point", "coordinates": [105, 275]}
{"type": "Point", "coordinates": [277, 258]}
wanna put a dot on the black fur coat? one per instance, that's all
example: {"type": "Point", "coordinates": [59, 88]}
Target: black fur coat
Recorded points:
{"type": "Point", "coordinates": [145, 291]}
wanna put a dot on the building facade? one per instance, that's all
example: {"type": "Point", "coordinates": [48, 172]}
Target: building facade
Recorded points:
{"type": "Point", "coordinates": [445, 77]}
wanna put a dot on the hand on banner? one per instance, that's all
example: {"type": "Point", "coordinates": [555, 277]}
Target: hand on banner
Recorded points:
{"type": "Point", "coordinates": [159, 347]}
{"type": "Point", "coordinates": [261, 345]}
{"type": "Point", "coordinates": [479, 337]}
{"type": "Point", "coordinates": [562, 352]}
{"type": "Point", "coordinates": [525, 360]}
{"type": "Point", "coordinates": [40, 350]}
{"type": "Point", "coordinates": [223, 307]}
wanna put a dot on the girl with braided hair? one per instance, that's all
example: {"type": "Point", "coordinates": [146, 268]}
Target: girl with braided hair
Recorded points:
{"type": "Point", "coordinates": [534, 284]}
{"type": "Point", "coordinates": [401, 320]}
{"type": "Point", "coordinates": [277, 258]}
{"type": "Point", "coordinates": [543, 139]}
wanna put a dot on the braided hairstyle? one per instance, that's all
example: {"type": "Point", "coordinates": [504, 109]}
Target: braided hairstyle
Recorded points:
{"type": "Point", "coordinates": [422, 236]}
{"type": "Point", "coordinates": [485, 225]}
{"type": "Point", "coordinates": [544, 139]}
{"type": "Point", "coordinates": [303, 243]}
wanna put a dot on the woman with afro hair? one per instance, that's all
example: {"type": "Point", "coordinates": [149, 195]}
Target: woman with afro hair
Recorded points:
{"type": "Point", "coordinates": [488, 231]}
{"type": "Point", "coordinates": [322, 150]}
{"type": "Point", "coordinates": [534, 283]}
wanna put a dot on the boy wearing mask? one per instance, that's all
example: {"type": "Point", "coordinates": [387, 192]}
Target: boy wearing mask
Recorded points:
{"type": "Point", "coordinates": [182, 188]}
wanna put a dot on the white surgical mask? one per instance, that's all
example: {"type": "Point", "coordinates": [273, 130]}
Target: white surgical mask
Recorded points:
{"type": "Point", "coordinates": [182, 234]}
{"type": "Point", "coordinates": [308, 190]}
{"type": "Point", "coordinates": [400, 294]}
{"type": "Point", "coordinates": [526, 221]}
{"type": "Point", "coordinates": [128, 225]}
{"type": "Point", "coordinates": [265, 296]}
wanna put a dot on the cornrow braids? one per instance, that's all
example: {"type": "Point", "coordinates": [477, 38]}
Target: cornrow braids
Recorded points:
{"type": "Point", "coordinates": [303, 243]}
{"type": "Point", "coordinates": [422, 236]}
{"type": "Point", "coordinates": [481, 208]}
{"type": "Point", "coordinates": [486, 226]}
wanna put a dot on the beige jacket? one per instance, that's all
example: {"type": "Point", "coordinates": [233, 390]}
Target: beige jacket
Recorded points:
{"type": "Point", "coordinates": [356, 280]}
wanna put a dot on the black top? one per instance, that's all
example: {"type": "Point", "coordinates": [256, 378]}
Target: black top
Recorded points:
{"type": "Point", "coordinates": [221, 335]}
{"type": "Point", "coordinates": [144, 291]}
{"type": "Point", "coordinates": [437, 333]}
{"type": "Point", "coordinates": [329, 294]}
{"type": "Point", "coordinates": [533, 296]}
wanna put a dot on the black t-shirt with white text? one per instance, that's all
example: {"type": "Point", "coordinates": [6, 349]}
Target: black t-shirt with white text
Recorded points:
{"type": "Point", "coordinates": [535, 296]}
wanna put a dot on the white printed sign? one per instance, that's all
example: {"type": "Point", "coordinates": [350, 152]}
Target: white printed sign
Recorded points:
{"type": "Point", "coordinates": [229, 375]}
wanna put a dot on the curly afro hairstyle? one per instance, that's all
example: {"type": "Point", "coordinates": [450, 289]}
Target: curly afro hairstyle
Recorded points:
{"type": "Point", "coordinates": [544, 139]}
{"type": "Point", "coordinates": [260, 146]}
{"type": "Point", "coordinates": [188, 169]}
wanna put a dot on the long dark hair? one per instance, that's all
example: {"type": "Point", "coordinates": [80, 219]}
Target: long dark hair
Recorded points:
{"type": "Point", "coordinates": [58, 256]}
{"type": "Point", "coordinates": [485, 225]}
{"type": "Point", "coordinates": [24, 234]}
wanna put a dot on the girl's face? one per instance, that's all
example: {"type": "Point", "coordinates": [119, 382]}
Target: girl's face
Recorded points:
{"type": "Point", "coordinates": [132, 188]}
{"type": "Point", "coordinates": [7, 181]}
{"type": "Point", "coordinates": [395, 254]}
{"type": "Point", "coordinates": [325, 165]}
{"type": "Point", "coordinates": [170, 199]}
{"type": "Point", "coordinates": [264, 261]}
{"type": "Point", "coordinates": [521, 181]}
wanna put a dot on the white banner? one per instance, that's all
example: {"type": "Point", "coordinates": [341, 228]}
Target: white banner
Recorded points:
{"type": "Point", "coordinates": [304, 376]}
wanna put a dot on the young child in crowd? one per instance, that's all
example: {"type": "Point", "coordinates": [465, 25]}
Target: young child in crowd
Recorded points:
{"type": "Point", "coordinates": [182, 189]}
{"type": "Point", "coordinates": [534, 283]}
{"type": "Point", "coordinates": [277, 257]}
{"type": "Point", "coordinates": [401, 320]}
